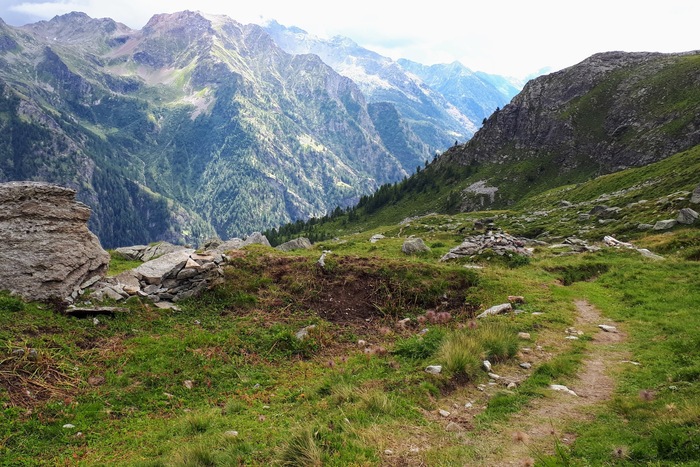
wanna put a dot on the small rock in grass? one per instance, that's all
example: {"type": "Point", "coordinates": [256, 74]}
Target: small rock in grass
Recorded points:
{"type": "Point", "coordinates": [433, 369]}
{"type": "Point", "coordinates": [487, 365]}
{"type": "Point", "coordinates": [444, 413]}
{"type": "Point", "coordinates": [494, 376]}
{"type": "Point", "coordinates": [388, 452]}
{"type": "Point", "coordinates": [304, 333]}
{"type": "Point", "coordinates": [524, 335]}
{"type": "Point", "coordinates": [453, 427]}
{"type": "Point", "coordinates": [511, 385]}
{"type": "Point", "coordinates": [572, 338]}
{"type": "Point", "coordinates": [607, 328]}
{"type": "Point", "coordinates": [526, 365]}
{"type": "Point", "coordinates": [496, 310]}
{"type": "Point", "coordinates": [562, 388]}
{"type": "Point", "coordinates": [231, 434]}
{"type": "Point", "coordinates": [189, 384]}
{"type": "Point", "coordinates": [68, 426]}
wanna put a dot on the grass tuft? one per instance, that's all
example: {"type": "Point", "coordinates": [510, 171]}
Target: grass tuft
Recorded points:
{"type": "Point", "coordinates": [302, 450]}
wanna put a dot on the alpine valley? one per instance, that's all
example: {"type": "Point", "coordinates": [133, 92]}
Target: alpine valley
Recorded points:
{"type": "Point", "coordinates": [198, 126]}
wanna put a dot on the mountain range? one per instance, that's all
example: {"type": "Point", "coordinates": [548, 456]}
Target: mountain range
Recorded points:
{"type": "Point", "coordinates": [198, 126]}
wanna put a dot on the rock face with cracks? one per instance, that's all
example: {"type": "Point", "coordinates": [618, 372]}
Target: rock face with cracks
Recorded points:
{"type": "Point", "coordinates": [47, 251]}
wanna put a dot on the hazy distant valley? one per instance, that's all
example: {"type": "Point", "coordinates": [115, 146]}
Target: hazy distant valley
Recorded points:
{"type": "Point", "coordinates": [198, 126]}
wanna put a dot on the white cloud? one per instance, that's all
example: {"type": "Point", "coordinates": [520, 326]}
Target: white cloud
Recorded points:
{"type": "Point", "coordinates": [512, 37]}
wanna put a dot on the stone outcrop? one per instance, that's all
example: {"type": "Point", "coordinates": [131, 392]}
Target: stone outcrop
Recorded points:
{"type": "Point", "coordinates": [498, 242]}
{"type": "Point", "coordinates": [238, 243]}
{"type": "Point", "coordinates": [687, 216]}
{"type": "Point", "coordinates": [301, 243]}
{"type": "Point", "coordinates": [47, 252]}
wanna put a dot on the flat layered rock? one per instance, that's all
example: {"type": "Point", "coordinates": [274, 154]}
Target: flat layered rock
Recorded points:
{"type": "Point", "coordinates": [47, 252]}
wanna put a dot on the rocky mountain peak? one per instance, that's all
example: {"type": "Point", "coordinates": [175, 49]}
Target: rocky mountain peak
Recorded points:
{"type": "Point", "coordinates": [589, 114]}
{"type": "Point", "coordinates": [182, 21]}
{"type": "Point", "coordinates": [76, 28]}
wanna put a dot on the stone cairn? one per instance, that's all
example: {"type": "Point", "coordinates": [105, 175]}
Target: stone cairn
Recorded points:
{"type": "Point", "coordinates": [499, 243]}
{"type": "Point", "coordinates": [177, 274]}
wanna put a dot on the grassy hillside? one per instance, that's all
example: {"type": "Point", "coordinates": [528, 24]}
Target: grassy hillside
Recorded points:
{"type": "Point", "coordinates": [643, 194]}
{"type": "Point", "coordinates": [170, 387]}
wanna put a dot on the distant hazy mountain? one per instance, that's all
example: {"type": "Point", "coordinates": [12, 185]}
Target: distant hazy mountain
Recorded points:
{"type": "Point", "coordinates": [435, 118]}
{"type": "Point", "coordinates": [475, 94]}
{"type": "Point", "coordinates": [193, 126]}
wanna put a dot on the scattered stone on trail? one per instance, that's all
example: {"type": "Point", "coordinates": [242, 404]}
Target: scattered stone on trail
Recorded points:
{"type": "Point", "coordinates": [47, 251]}
{"type": "Point", "coordinates": [526, 365]}
{"type": "Point", "coordinates": [498, 242]}
{"type": "Point", "coordinates": [300, 243]}
{"type": "Point", "coordinates": [562, 388]}
{"type": "Point", "coordinates": [496, 310]}
{"type": "Point", "coordinates": [687, 216]}
{"type": "Point", "coordinates": [607, 328]}
{"type": "Point", "coordinates": [524, 335]}
{"type": "Point", "coordinates": [665, 224]}
{"type": "Point", "coordinates": [512, 385]}
{"type": "Point", "coordinates": [444, 413]}
{"type": "Point", "coordinates": [487, 365]}
{"type": "Point", "coordinates": [494, 376]}
{"type": "Point", "coordinates": [434, 369]}
{"type": "Point", "coordinates": [412, 246]}
{"type": "Point", "coordinates": [574, 332]}
{"type": "Point", "coordinates": [572, 338]}
{"type": "Point", "coordinates": [376, 237]}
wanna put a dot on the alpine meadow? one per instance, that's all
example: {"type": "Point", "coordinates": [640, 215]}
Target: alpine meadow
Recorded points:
{"type": "Point", "coordinates": [319, 256]}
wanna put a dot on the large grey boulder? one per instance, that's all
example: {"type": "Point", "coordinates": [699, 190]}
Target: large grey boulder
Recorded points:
{"type": "Point", "coordinates": [665, 224]}
{"type": "Point", "coordinates": [687, 216]}
{"type": "Point", "coordinates": [301, 243]}
{"type": "Point", "coordinates": [695, 197]}
{"type": "Point", "coordinates": [412, 246]}
{"type": "Point", "coordinates": [47, 251]}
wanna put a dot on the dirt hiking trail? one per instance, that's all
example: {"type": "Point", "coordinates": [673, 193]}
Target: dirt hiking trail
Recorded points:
{"type": "Point", "coordinates": [535, 429]}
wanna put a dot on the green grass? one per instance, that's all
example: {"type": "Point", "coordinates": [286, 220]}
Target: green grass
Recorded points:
{"type": "Point", "coordinates": [161, 387]}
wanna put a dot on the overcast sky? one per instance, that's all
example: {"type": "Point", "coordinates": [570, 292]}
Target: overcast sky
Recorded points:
{"type": "Point", "coordinates": [507, 37]}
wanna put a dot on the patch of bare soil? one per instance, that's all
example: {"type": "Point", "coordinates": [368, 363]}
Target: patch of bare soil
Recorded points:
{"type": "Point", "coordinates": [536, 428]}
